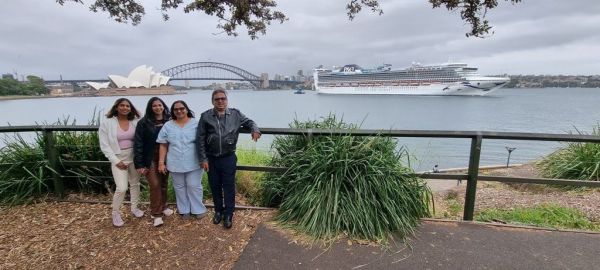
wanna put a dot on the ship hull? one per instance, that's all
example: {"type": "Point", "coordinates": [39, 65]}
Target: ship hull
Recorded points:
{"type": "Point", "coordinates": [474, 87]}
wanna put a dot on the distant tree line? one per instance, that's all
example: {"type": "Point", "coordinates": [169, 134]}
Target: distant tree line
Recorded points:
{"type": "Point", "coordinates": [34, 86]}
{"type": "Point", "coordinates": [563, 81]}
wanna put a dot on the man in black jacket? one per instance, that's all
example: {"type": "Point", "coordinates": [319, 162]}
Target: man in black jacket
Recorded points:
{"type": "Point", "coordinates": [216, 139]}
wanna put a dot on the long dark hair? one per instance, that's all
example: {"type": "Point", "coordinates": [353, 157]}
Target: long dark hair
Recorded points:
{"type": "Point", "coordinates": [149, 116]}
{"type": "Point", "coordinates": [190, 113]}
{"type": "Point", "coordinates": [130, 116]}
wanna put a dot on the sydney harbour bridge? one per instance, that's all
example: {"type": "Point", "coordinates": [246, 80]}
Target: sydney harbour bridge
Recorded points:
{"type": "Point", "coordinates": [212, 71]}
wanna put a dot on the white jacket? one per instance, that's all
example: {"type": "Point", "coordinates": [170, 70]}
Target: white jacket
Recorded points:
{"type": "Point", "coordinates": [107, 135]}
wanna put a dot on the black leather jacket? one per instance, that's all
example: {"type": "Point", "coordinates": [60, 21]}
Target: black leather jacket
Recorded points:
{"type": "Point", "coordinates": [144, 142]}
{"type": "Point", "coordinates": [218, 136]}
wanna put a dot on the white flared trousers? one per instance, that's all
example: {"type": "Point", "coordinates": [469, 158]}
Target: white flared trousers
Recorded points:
{"type": "Point", "coordinates": [122, 177]}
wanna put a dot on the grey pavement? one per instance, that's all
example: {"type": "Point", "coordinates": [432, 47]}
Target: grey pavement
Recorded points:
{"type": "Point", "coordinates": [436, 245]}
{"type": "Point", "coordinates": [437, 185]}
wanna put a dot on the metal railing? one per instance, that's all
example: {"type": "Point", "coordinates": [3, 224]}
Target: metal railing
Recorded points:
{"type": "Point", "coordinates": [471, 177]}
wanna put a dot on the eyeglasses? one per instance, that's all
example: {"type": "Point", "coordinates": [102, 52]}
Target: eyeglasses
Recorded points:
{"type": "Point", "coordinates": [220, 99]}
{"type": "Point", "coordinates": [179, 109]}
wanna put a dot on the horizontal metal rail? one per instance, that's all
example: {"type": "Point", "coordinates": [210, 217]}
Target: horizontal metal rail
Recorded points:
{"type": "Point", "coordinates": [471, 177]}
{"type": "Point", "coordinates": [362, 132]}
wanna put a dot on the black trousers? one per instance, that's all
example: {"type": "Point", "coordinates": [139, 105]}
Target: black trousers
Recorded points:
{"type": "Point", "coordinates": [221, 178]}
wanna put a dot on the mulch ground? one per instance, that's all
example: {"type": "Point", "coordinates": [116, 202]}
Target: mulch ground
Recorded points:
{"type": "Point", "coordinates": [53, 235]}
{"type": "Point", "coordinates": [62, 235]}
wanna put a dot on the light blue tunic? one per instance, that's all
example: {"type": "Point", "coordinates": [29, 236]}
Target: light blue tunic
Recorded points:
{"type": "Point", "coordinates": [181, 156]}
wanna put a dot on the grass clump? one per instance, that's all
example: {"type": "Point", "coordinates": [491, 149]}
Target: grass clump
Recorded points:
{"type": "Point", "coordinates": [544, 215]}
{"type": "Point", "coordinates": [342, 184]}
{"type": "Point", "coordinates": [248, 182]}
{"type": "Point", "coordinates": [454, 205]}
{"type": "Point", "coordinates": [79, 146]}
{"type": "Point", "coordinates": [24, 172]}
{"type": "Point", "coordinates": [574, 161]}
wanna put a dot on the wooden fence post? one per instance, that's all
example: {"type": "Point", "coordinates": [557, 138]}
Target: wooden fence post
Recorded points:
{"type": "Point", "coordinates": [472, 177]}
{"type": "Point", "coordinates": [52, 157]}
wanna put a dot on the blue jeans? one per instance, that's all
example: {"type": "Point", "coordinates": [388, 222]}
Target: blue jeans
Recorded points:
{"type": "Point", "coordinates": [188, 192]}
{"type": "Point", "coordinates": [221, 177]}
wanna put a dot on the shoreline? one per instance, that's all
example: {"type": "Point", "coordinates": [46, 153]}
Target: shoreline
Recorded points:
{"type": "Point", "coordinates": [2, 98]}
{"type": "Point", "coordinates": [24, 97]}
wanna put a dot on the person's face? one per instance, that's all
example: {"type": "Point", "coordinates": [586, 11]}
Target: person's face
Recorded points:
{"type": "Point", "coordinates": [180, 110]}
{"type": "Point", "coordinates": [124, 108]}
{"type": "Point", "coordinates": [157, 107]}
{"type": "Point", "coordinates": [219, 100]}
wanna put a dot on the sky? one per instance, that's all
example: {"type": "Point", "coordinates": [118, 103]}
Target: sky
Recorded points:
{"type": "Point", "coordinates": [549, 37]}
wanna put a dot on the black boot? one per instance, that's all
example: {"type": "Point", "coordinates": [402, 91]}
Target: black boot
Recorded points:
{"type": "Point", "coordinates": [217, 218]}
{"type": "Point", "coordinates": [228, 222]}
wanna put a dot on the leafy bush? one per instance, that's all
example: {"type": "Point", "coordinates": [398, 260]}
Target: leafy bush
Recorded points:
{"type": "Point", "coordinates": [343, 184]}
{"type": "Point", "coordinates": [574, 161]}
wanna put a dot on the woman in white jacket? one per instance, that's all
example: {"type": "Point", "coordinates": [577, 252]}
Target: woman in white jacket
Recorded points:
{"type": "Point", "coordinates": [116, 134]}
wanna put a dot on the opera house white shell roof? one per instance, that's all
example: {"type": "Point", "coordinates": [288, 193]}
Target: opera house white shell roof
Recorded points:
{"type": "Point", "coordinates": [141, 76]}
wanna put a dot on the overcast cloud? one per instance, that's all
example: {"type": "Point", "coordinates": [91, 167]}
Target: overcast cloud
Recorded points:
{"type": "Point", "coordinates": [534, 37]}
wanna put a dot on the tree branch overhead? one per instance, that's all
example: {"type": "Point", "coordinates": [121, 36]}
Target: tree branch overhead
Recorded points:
{"type": "Point", "coordinates": [257, 15]}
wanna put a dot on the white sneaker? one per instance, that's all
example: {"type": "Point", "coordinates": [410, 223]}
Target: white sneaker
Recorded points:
{"type": "Point", "coordinates": [117, 220]}
{"type": "Point", "coordinates": [158, 221]}
{"type": "Point", "coordinates": [167, 212]}
{"type": "Point", "coordinates": [137, 212]}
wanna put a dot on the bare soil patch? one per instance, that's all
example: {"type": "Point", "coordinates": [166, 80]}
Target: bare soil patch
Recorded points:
{"type": "Point", "coordinates": [53, 235]}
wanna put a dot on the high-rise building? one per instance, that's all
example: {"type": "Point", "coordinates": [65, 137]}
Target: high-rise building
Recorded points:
{"type": "Point", "coordinates": [264, 80]}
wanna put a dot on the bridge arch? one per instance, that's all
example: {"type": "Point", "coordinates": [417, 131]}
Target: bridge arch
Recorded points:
{"type": "Point", "coordinates": [178, 72]}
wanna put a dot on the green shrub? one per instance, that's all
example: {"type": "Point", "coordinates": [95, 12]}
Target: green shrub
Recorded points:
{"type": "Point", "coordinates": [574, 161]}
{"type": "Point", "coordinates": [343, 184]}
{"type": "Point", "coordinates": [81, 146]}
{"type": "Point", "coordinates": [24, 172]}
{"type": "Point", "coordinates": [544, 215]}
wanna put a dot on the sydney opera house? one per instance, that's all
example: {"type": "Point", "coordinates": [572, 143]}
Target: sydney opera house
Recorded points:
{"type": "Point", "coordinates": [141, 81]}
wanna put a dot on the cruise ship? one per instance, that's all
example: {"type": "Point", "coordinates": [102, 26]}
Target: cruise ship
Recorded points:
{"type": "Point", "coordinates": [442, 79]}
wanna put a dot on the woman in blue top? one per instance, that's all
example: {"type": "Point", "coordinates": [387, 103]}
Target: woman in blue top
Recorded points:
{"type": "Point", "coordinates": [177, 155]}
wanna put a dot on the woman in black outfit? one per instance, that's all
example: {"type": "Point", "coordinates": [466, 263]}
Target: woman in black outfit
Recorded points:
{"type": "Point", "coordinates": [146, 157]}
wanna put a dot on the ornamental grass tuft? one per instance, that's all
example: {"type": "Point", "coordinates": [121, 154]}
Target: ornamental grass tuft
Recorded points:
{"type": "Point", "coordinates": [574, 161]}
{"type": "Point", "coordinates": [25, 173]}
{"type": "Point", "coordinates": [341, 184]}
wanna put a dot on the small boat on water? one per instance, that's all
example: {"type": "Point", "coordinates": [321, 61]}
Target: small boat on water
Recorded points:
{"type": "Point", "coordinates": [299, 91]}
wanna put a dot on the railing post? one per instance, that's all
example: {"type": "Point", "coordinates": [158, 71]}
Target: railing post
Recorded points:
{"type": "Point", "coordinates": [472, 177]}
{"type": "Point", "coordinates": [52, 157]}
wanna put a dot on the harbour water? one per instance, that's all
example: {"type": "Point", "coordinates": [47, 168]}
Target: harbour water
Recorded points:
{"type": "Point", "coordinates": [550, 110]}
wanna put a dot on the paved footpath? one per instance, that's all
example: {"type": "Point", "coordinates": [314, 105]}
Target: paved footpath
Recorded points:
{"type": "Point", "coordinates": [437, 245]}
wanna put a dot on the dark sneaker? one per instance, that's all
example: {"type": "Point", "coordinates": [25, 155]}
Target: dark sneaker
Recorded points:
{"type": "Point", "coordinates": [186, 216]}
